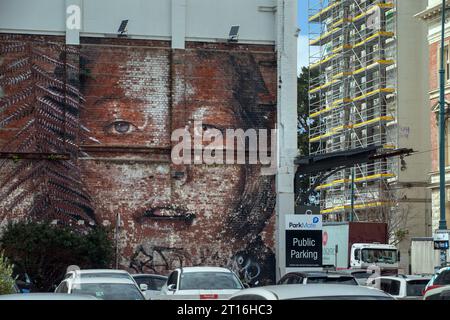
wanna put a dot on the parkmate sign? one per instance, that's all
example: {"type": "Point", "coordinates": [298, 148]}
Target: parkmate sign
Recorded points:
{"type": "Point", "coordinates": [303, 241]}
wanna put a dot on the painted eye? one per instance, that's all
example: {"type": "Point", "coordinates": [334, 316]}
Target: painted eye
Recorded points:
{"type": "Point", "coordinates": [206, 127]}
{"type": "Point", "coordinates": [121, 127]}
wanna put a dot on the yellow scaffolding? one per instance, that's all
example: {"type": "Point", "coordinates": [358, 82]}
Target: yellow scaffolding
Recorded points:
{"type": "Point", "coordinates": [353, 95]}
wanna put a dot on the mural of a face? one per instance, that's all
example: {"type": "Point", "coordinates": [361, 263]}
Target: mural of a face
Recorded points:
{"type": "Point", "coordinates": [178, 215]}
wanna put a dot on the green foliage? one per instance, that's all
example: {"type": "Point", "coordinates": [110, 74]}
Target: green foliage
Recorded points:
{"type": "Point", "coordinates": [400, 235]}
{"type": "Point", "coordinates": [303, 100]}
{"type": "Point", "coordinates": [6, 280]}
{"type": "Point", "coordinates": [44, 251]}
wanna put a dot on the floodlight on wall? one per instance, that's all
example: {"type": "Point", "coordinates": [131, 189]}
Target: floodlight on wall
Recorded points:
{"type": "Point", "coordinates": [234, 33]}
{"type": "Point", "coordinates": [123, 28]}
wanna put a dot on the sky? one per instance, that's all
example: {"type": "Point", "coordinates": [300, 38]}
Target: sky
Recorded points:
{"type": "Point", "coordinates": [303, 37]}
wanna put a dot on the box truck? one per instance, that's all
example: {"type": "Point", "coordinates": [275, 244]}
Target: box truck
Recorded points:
{"type": "Point", "coordinates": [359, 245]}
{"type": "Point", "coordinates": [424, 258]}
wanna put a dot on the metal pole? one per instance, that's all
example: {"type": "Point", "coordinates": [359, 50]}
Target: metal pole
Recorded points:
{"type": "Point", "coordinates": [117, 239]}
{"type": "Point", "coordinates": [442, 193]}
{"type": "Point", "coordinates": [352, 195]}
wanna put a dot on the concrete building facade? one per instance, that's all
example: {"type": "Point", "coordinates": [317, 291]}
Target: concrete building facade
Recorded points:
{"type": "Point", "coordinates": [72, 86]}
{"type": "Point", "coordinates": [362, 94]}
{"type": "Point", "coordinates": [431, 17]}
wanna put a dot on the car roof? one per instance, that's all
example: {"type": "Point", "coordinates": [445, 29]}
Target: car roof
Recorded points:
{"type": "Point", "coordinates": [85, 271]}
{"type": "Point", "coordinates": [406, 277]}
{"type": "Point", "coordinates": [204, 269]}
{"type": "Point", "coordinates": [149, 275]}
{"type": "Point", "coordinates": [46, 296]}
{"type": "Point", "coordinates": [444, 269]}
{"type": "Point", "coordinates": [293, 291]}
{"type": "Point", "coordinates": [318, 273]}
{"type": "Point", "coordinates": [106, 280]}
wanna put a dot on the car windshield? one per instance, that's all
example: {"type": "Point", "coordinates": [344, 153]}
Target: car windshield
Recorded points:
{"type": "Point", "coordinates": [109, 291]}
{"type": "Point", "coordinates": [379, 256]}
{"type": "Point", "coordinates": [332, 280]}
{"type": "Point", "coordinates": [209, 281]}
{"type": "Point", "coordinates": [443, 278]}
{"type": "Point", "coordinates": [414, 288]}
{"type": "Point", "coordinates": [104, 275]}
{"type": "Point", "coordinates": [361, 275]}
{"type": "Point", "coordinates": [151, 282]}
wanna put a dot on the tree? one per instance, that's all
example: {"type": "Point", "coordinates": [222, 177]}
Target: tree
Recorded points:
{"type": "Point", "coordinates": [44, 251]}
{"type": "Point", "coordinates": [302, 183]}
{"type": "Point", "coordinates": [40, 104]}
{"type": "Point", "coordinates": [6, 280]}
{"type": "Point", "coordinates": [303, 111]}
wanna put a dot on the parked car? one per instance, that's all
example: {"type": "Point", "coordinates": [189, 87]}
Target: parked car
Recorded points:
{"type": "Point", "coordinates": [311, 292]}
{"type": "Point", "coordinates": [103, 288]}
{"type": "Point", "coordinates": [103, 273]}
{"type": "Point", "coordinates": [438, 293]}
{"type": "Point", "coordinates": [310, 277]}
{"type": "Point", "coordinates": [200, 283]}
{"type": "Point", "coordinates": [46, 296]}
{"type": "Point", "coordinates": [402, 286]}
{"type": "Point", "coordinates": [361, 275]}
{"type": "Point", "coordinates": [95, 273]}
{"type": "Point", "coordinates": [153, 282]}
{"type": "Point", "coordinates": [440, 279]}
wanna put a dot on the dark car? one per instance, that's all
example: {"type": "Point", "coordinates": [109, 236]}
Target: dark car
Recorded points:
{"type": "Point", "coordinates": [318, 277]}
{"type": "Point", "coordinates": [154, 283]}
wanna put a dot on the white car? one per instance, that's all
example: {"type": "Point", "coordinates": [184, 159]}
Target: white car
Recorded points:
{"type": "Point", "coordinates": [401, 287]}
{"type": "Point", "coordinates": [102, 288]}
{"type": "Point", "coordinates": [96, 273]}
{"type": "Point", "coordinates": [438, 293]}
{"type": "Point", "coordinates": [311, 292]}
{"type": "Point", "coordinates": [204, 283]}
{"type": "Point", "coordinates": [105, 273]}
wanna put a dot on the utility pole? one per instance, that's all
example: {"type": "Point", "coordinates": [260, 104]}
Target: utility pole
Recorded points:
{"type": "Point", "coordinates": [352, 195]}
{"type": "Point", "coordinates": [442, 193]}
{"type": "Point", "coordinates": [117, 238]}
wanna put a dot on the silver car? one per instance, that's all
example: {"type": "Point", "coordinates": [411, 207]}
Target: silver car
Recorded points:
{"type": "Point", "coordinates": [200, 283]}
{"type": "Point", "coordinates": [311, 292]}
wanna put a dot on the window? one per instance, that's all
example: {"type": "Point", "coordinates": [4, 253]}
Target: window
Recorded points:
{"type": "Point", "coordinates": [443, 278]}
{"type": "Point", "coordinates": [388, 256]}
{"type": "Point", "coordinates": [62, 288]}
{"type": "Point", "coordinates": [446, 62]}
{"type": "Point", "coordinates": [209, 280]}
{"type": "Point", "coordinates": [109, 291]}
{"type": "Point", "coordinates": [390, 286]}
{"type": "Point", "coordinates": [295, 280]}
{"type": "Point", "coordinates": [173, 279]}
{"type": "Point", "coordinates": [414, 288]}
{"type": "Point", "coordinates": [333, 280]}
{"type": "Point", "coordinates": [151, 282]}
{"type": "Point", "coordinates": [357, 254]}
{"type": "Point", "coordinates": [395, 288]}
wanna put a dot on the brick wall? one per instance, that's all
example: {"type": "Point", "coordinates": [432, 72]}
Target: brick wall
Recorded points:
{"type": "Point", "coordinates": [136, 93]}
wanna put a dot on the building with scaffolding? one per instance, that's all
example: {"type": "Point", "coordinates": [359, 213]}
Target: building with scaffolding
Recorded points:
{"type": "Point", "coordinates": [368, 84]}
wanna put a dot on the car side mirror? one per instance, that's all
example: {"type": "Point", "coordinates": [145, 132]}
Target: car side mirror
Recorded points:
{"type": "Point", "coordinates": [398, 255]}
{"type": "Point", "coordinates": [172, 287]}
{"type": "Point", "coordinates": [143, 287]}
{"type": "Point", "coordinates": [246, 285]}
